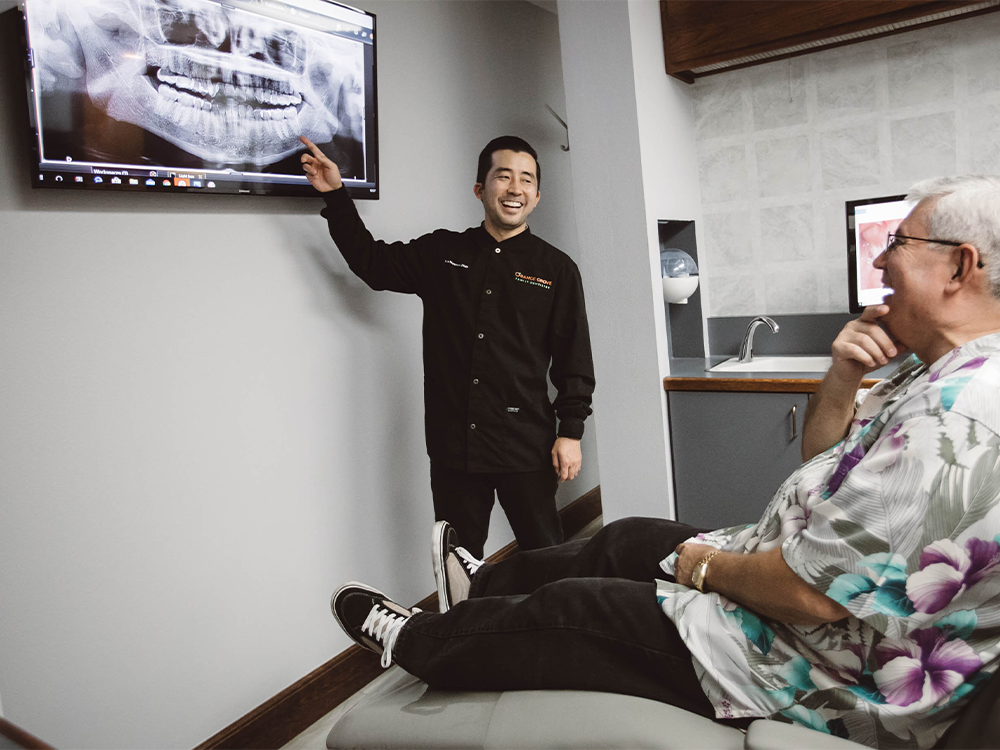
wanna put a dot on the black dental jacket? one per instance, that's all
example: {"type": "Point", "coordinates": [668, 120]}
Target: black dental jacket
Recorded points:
{"type": "Point", "coordinates": [495, 315]}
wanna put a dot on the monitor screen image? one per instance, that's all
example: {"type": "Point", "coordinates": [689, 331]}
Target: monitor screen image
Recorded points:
{"type": "Point", "coordinates": [200, 96]}
{"type": "Point", "coordinates": [869, 223]}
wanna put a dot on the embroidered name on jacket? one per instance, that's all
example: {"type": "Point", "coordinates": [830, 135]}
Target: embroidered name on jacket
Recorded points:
{"type": "Point", "coordinates": [533, 280]}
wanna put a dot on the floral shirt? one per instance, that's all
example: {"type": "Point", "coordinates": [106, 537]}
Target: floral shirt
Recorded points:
{"type": "Point", "coordinates": [899, 523]}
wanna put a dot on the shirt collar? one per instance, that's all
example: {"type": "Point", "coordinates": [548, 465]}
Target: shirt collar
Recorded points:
{"type": "Point", "coordinates": [520, 241]}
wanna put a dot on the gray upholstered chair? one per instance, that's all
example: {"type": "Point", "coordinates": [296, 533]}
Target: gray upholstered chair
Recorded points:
{"type": "Point", "coordinates": [405, 713]}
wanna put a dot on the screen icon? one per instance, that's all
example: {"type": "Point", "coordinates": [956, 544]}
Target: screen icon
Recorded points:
{"type": "Point", "coordinates": [167, 183]}
{"type": "Point", "coordinates": [196, 183]}
{"type": "Point", "coordinates": [59, 178]}
{"type": "Point", "coordinates": [152, 173]}
{"type": "Point", "coordinates": [133, 181]}
{"type": "Point", "coordinates": [181, 182]}
{"type": "Point", "coordinates": [211, 184]}
{"type": "Point", "coordinates": [98, 180]}
{"type": "Point", "coordinates": [150, 182]}
{"type": "Point", "coordinates": [116, 180]}
{"type": "Point", "coordinates": [78, 178]}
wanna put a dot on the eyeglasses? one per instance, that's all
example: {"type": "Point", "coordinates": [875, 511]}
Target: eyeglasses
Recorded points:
{"type": "Point", "coordinates": [893, 241]}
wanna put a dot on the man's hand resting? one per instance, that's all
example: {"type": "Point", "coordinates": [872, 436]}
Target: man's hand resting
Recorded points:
{"type": "Point", "coordinates": [320, 170]}
{"type": "Point", "coordinates": [567, 458]}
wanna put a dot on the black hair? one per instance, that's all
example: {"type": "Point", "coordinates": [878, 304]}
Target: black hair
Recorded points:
{"type": "Point", "coordinates": [504, 143]}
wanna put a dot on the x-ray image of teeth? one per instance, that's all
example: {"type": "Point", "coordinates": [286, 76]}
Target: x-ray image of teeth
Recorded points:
{"type": "Point", "coordinates": [227, 87]}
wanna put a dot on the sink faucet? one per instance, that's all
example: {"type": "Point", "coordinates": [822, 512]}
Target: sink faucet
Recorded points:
{"type": "Point", "coordinates": [746, 348]}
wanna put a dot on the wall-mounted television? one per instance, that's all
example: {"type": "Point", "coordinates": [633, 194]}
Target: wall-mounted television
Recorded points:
{"type": "Point", "coordinates": [869, 222]}
{"type": "Point", "coordinates": [199, 96]}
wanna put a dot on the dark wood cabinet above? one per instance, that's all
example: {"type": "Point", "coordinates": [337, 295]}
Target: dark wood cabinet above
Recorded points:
{"type": "Point", "coordinates": [702, 37]}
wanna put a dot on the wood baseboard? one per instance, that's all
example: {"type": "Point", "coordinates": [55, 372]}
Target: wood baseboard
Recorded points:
{"type": "Point", "coordinates": [299, 706]}
{"type": "Point", "coordinates": [17, 737]}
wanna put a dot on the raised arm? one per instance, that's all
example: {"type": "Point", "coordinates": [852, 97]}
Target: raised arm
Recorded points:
{"type": "Point", "coordinates": [396, 266]}
{"type": "Point", "coordinates": [862, 346]}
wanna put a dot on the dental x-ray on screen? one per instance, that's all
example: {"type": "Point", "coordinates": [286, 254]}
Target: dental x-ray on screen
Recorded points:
{"type": "Point", "coordinates": [200, 95]}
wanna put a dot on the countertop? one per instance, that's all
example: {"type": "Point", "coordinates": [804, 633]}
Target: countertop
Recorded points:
{"type": "Point", "coordinates": [693, 375]}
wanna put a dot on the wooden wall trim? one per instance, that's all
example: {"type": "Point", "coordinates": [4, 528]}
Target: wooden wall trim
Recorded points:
{"type": "Point", "coordinates": [20, 738]}
{"type": "Point", "coordinates": [702, 33]}
{"type": "Point", "coordinates": [299, 706]}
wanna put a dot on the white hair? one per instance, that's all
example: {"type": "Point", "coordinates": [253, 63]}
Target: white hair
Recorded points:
{"type": "Point", "coordinates": [965, 209]}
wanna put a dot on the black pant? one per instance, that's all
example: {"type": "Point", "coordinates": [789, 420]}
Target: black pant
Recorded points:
{"type": "Point", "coordinates": [580, 616]}
{"type": "Point", "coordinates": [465, 500]}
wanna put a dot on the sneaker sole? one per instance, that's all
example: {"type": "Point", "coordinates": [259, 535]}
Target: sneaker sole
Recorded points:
{"type": "Point", "coordinates": [438, 554]}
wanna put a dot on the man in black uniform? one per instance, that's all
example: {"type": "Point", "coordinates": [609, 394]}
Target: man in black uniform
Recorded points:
{"type": "Point", "coordinates": [500, 304]}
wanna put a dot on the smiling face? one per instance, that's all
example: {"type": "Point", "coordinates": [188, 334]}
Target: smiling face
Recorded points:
{"type": "Point", "coordinates": [509, 193]}
{"type": "Point", "coordinates": [918, 273]}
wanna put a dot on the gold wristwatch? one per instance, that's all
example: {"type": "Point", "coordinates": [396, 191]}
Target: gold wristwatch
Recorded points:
{"type": "Point", "coordinates": [701, 570]}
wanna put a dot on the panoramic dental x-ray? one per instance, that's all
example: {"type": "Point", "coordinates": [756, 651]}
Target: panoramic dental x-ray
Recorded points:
{"type": "Point", "coordinates": [207, 85]}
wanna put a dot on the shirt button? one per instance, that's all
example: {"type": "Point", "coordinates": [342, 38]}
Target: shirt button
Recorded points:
{"type": "Point", "coordinates": [480, 335]}
{"type": "Point", "coordinates": [498, 249]}
{"type": "Point", "coordinates": [473, 425]}
{"type": "Point", "coordinates": [489, 291]}
{"type": "Point", "coordinates": [475, 381]}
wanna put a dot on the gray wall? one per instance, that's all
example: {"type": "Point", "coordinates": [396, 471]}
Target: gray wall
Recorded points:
{"type": "Point", "coordinates": [207, 423]}
{"type": "Point", "coordinates": [632, 153]}
{"type": "Point", "coordinates": [781, 146]}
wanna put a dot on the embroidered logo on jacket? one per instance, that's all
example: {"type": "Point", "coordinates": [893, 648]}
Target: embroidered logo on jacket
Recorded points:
{"type": "Point", "coordinates": [513, 409]}
{"type": "Point", "coordinates": [533, 280]}
{"type": "Point", "coordinates": [457, 265]}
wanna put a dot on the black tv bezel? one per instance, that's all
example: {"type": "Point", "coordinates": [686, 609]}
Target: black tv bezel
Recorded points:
{"type": "Point", "coordinates": [256, 188]}
{"type": "Point", "coordinates": [852, 246]}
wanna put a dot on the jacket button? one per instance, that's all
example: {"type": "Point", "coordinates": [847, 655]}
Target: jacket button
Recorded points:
{"type": "Point", "coordinates": [480, 335]}
{"type": "Point", "coordinates": [498, 249]}
{"type": "Point", "coordinates": [489, 291]}
{"type": "Point", "coordinates": [473, 425]}
{"type": "Point", "coordinates": [475, 381]}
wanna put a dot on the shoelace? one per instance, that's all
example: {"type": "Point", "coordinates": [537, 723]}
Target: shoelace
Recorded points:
{"type": "Point", "coordinates": [470, 563]}
{"type": "Point", "coordinates": [384, 626]}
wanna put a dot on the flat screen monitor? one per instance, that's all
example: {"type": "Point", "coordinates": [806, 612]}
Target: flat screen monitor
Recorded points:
{"type": "Point", "coordinates": [869, 222]}
{"type": "Point", "coordinates": [199, 96]}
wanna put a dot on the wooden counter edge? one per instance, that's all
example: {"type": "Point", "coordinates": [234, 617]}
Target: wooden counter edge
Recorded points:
{"type": "Point", "coordinates": [750, 385]}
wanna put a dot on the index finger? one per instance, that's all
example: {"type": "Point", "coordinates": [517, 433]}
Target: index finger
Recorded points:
{"type": "Point", "coordinates": [873, 312]}
{"type": "Point", "coordinates": [312, 147]}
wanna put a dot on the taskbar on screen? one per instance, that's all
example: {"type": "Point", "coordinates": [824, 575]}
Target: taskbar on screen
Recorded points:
{"type": "Point", "coordinates": [166, 180]}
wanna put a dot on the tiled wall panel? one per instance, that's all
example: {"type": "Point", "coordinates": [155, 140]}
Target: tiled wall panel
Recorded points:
{"type": "Point", "coordinates": [782, 146]}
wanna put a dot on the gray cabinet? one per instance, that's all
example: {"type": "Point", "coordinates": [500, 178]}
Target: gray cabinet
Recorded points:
{"type": "Point", "coordinates": [731, 451]}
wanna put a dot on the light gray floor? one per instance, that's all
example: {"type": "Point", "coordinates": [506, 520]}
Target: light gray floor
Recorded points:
{"type": "Point", "coordinates": [314, 738]}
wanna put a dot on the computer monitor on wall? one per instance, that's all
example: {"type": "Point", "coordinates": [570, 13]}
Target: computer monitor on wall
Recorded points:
{"type": "Point", "coordinates": [199, 96]}
{"type": "Point", "coordinates": [869, 223]}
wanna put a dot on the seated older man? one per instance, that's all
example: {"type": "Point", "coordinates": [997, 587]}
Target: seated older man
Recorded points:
{"type": "Point", "coordinates": [865, 602]}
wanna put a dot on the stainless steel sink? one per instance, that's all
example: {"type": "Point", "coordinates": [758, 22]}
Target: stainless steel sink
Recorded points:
{"type": "Point", "coordinates": [775, 364]}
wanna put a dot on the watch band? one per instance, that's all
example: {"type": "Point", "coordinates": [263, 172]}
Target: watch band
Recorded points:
{"type": "Point", "coordinates": [703, 567]}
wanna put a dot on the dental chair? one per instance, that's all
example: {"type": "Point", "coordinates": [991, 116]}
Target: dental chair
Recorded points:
{"type": "Point", "coordinates": [405, 713]}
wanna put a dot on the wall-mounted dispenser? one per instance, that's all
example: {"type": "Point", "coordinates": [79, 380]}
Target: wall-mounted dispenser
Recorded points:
{"type": "Point", "coordinates": [679, 274]}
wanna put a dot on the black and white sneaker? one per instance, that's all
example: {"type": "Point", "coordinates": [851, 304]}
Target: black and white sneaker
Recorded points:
{"type": "Point", "coordinates": [370, 617]}
{"type": "Point", "coordinates": [453, 566]}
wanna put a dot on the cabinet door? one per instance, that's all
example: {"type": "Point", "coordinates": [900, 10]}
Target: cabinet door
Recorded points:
{"type": "Point", "coordinates": [731, 451]}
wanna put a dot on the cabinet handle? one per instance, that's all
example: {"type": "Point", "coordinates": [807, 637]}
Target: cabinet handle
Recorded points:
{"type": "Point", "coordinates": [795, 428]}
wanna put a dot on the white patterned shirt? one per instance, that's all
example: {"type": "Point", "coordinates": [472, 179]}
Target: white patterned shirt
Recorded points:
{"type": "Point", "coordinates": [899, 523]}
